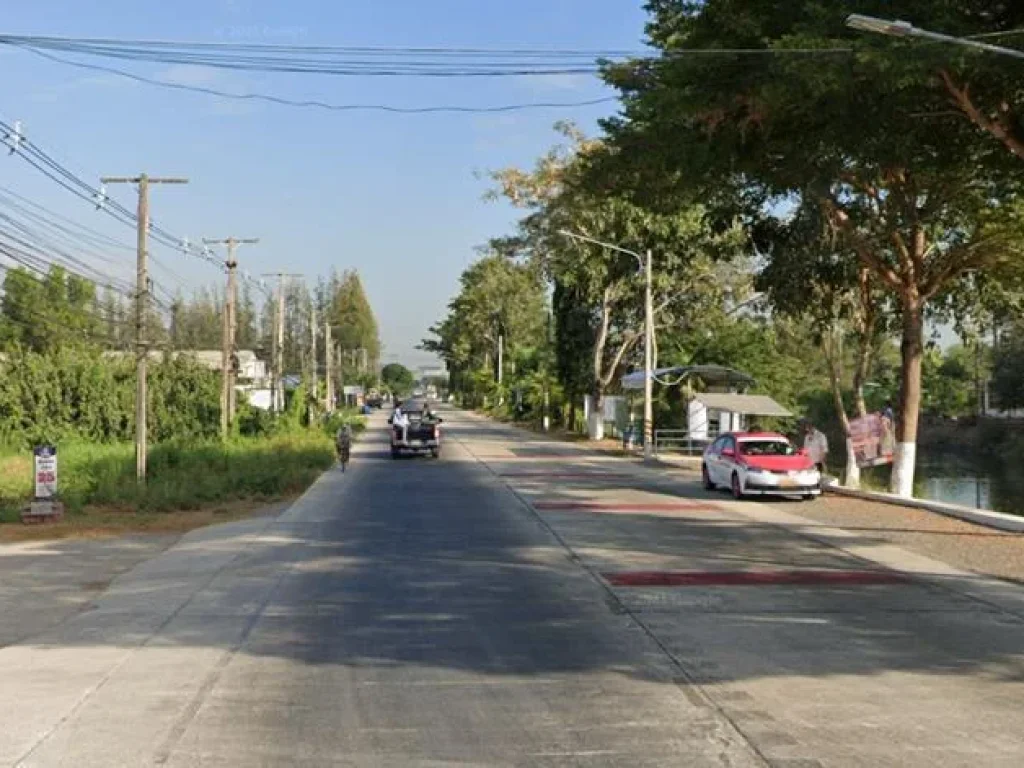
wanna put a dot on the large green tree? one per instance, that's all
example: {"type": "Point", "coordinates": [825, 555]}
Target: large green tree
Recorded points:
{"type": "Point", "coordinates": [355, 326]}
{"type": "Point", "coordinates": [560, 198]}
{"type": "Point", "coordinates": [860, 130]}
{"type": "Point", "coordinates": [500, 307]}
{"type": "Point", "coordinates": [42, 313]}
{"type": "Point", "coordinates": [397, 378]}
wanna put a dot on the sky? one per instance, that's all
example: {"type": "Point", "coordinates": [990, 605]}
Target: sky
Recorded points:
{"type": "Point", "coordinates": [396, 197]}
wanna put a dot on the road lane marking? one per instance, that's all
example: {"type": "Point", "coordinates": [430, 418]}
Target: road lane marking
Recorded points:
{"type": "Point", "coordinates": [642, 506]}
{"type": "Point", "coordinates": [796, 577]}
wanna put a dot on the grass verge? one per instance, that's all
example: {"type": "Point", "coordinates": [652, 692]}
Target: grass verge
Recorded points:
{"type": "Point", "coordinates": [209, 481]}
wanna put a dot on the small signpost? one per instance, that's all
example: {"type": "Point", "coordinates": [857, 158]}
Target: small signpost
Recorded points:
{"type": "Point", "coordinates": [44, 506]}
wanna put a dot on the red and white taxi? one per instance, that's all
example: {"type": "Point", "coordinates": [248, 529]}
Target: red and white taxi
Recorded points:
{"type": "Point", "coordinates": [759, 463]}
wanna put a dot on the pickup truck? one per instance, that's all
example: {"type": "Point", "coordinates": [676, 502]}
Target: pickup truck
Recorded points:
{"type": "Point", "coordinates": [423, 435]}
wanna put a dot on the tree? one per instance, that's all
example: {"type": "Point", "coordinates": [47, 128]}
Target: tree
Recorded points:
{"type": "Point", "coordinates": [247, 333]}
{"type": "Point", "coordinates": [1008, 370]}
{"type": "Point", "coordinates": [919, 198]}
{"type": "Point", "coordinates": [43, 313]}
{"type": "Point", "coordinates": [500, 306]}
{"type": "Point", "coordinates": [816, 279]}
{"type": "Point", "coordinates": [950, 382]}
{"type": "Point", "coordinates": [354, 321]}
{"type": "Point", "coordinates": [197, 323]}
{"type": "Point", "coordinates": [559, 198]}
{"type": "Point", "coordinates": [397, 378]}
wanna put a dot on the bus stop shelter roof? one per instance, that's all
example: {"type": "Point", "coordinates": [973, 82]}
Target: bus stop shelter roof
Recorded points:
{"type": "Point", "coordinates": [748, 405]}
{"type": "Point", "coordinates": [711, 375]}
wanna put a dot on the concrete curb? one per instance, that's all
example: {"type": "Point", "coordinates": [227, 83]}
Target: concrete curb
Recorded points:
{"type": "Point", "coordinates": [984, 517]}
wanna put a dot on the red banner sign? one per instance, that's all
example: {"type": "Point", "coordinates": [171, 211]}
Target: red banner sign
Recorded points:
{"type": "Point", "coordinates": [873, 439]}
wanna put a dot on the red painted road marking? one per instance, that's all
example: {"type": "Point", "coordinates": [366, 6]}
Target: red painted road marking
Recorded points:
{"type": "Point", "coordinates": [655, 506]}
{"type": "Point", "coordinates": [749, 578]}
{"type": "Point", "coordinates": [542, 473]}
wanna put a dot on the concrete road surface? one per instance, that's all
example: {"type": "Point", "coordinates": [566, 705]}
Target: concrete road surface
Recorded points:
{"type": "Point", "coordinates": [521, 602]}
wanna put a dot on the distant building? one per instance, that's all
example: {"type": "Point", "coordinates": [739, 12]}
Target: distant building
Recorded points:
{"type": "Point", "coordinates": [250, 368]}
{"type": "Point", "coordinates": [431, 372]}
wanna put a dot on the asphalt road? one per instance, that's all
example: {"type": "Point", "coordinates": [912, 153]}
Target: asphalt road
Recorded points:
{"type": "Point", "coordinates": [479, 610]}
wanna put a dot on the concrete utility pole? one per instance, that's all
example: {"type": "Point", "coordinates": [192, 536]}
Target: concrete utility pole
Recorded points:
{"type": "Point", "coordinates": [648, 362]}
{"type": "Point", "coordinates": [277, 378]}
{"type": "Point", "coordinates": [229, 354]}
{"type": "Point", "coordinates": [329, 368]}
{"type": "Point", "coordinates": [314, 376]}
{"type": "Point", "coordinates": [141, 306]}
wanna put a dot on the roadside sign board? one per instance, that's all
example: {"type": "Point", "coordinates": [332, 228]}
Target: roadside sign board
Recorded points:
{"type": "Point", "coordinates": [873, 440]}
{"type": "Point", "coordinates": [45, 472]}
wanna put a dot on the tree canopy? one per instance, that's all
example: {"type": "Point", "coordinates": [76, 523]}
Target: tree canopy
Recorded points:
{"type": "Point", "coordinates": [818, 118]}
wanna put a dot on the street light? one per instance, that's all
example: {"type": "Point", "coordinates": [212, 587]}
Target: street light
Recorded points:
{"type": "Point", "coordinates": [644, 263]}
{"type": "Point", "coordinates": [906, 29]}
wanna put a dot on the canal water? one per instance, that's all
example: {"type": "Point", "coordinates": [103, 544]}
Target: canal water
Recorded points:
{"type": "Point", "coordinates": [969, 483]}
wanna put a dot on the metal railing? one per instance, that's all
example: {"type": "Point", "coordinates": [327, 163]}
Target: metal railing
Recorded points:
{"type": "Point", "coordinates": [682, 441]}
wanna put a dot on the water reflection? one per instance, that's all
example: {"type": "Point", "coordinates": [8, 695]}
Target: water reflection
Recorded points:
{"type": "Point", "coordinates": [971, 483]}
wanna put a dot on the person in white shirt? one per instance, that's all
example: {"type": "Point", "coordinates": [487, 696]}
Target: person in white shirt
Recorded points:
{"type": "Point", "coordinates": [400, 420]}
{"type": "Point", "coordinates": [816, 445]}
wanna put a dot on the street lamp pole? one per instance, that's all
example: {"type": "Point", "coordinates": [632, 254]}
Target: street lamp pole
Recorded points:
{"type": "Point", "coordinates": [906, 29]}
{"type": "Point", "coordinates": [648, 362]}
{"type": "Point", "coordinates": [644, 262]}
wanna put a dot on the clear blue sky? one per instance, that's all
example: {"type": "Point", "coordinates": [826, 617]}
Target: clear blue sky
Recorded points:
{"type": "Point", "coordinates": [393, 196]}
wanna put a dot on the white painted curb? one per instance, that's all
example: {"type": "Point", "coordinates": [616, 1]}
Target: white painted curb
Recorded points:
{"type": "Point", "coordinates": [984, 517]}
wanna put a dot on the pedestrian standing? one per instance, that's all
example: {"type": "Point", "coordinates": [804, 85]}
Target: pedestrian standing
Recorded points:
{"type": "Point", "coordinates": [816, 445]}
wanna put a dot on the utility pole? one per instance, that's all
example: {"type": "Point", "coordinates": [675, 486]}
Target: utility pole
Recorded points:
{"type": "Point", "coordinates": [277, 378]}
{"type": "Point", "coordinates": [141, 307]}
{"type": "Point", "coordinates": [648, 361]}
{"type": "Point", "coordinates": [228, 353]}
{"type": "Point", "coordinates": [312, 357]}
{"type": "Point", "coordinates": [329, 372]}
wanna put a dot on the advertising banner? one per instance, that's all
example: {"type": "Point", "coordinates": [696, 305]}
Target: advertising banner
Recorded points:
{"type": "Point", "coordinates": [873, 439]}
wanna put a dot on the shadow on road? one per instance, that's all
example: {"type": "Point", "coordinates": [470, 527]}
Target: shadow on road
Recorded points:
{"type": "Point", "coordinates": [434, 565]}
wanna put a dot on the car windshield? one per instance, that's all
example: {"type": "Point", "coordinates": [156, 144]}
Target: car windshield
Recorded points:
{"type": "Point", "coordinates": [766, 448]}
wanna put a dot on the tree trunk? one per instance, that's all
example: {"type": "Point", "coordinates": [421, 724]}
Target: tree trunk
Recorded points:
{"type": "Point", "coordinates": [595, 419]}
{"type": "Point", "coordinates": [866, 337]}
{"type": "Point", "coordinates": [833, 356]}
{"type": "Point", "coordinates": [909, 406]}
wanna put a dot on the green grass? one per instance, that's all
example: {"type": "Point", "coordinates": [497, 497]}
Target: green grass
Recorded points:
{"type": "Point", "coordinates": [180, 477]}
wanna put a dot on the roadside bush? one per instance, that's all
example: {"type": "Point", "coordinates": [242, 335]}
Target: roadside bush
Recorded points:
{"type": "Point", "coordinates": [76, 394]}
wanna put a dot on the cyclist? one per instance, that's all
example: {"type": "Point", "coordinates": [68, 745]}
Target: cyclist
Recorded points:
{"type": "Point", "coordinates": [343, 442]}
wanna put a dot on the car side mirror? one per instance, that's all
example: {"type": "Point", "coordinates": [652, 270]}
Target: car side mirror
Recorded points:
{"type": "Point", "coordinates": [728, 452]}
{"type": "Point", "coordinates": [439, 419]}
{"type": "Point", "coordinates": [802, 452]}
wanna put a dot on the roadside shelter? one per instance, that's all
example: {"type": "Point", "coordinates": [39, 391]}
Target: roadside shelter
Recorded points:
{"type": "Point", "coordinates": [717, 401]}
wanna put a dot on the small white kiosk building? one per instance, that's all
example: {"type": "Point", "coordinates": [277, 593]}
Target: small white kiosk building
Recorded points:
{"type": "Point", "coordinates": [720, 407]}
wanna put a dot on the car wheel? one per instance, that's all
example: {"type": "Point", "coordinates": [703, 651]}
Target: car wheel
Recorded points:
{"type": "Point", "coordinates": [737, 489]}
{"type": "Point", "coordinates": [395, 453]}
{"type": "Point", "coordinates": [435, 453]}
{"type": "Point", "coordinates": [808, 497]}
{"type": "Point", "coordinates": [706, 476]}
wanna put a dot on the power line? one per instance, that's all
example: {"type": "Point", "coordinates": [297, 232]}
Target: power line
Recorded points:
{"type": "Point", "coordinates": [378, 62]}
{"type": "Point", "coordinates": [317, 104]}
{"type": "Point", "coordinates": [96, 196]}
